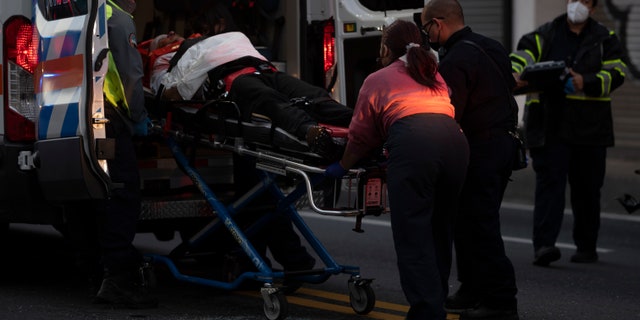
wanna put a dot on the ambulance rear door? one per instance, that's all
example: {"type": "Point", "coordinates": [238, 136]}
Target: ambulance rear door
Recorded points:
{"type": "Point", "coordinates": [346, 34]}
{"type": "Point", "coordinates": [70, 147]}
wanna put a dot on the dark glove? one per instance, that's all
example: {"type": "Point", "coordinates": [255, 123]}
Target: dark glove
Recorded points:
{"type": "Point", "coordinates": [568, 86]}
{"type": "Point", "coordinates": [141, 128]}
{"type": "Point", "coordinates": [335, 170]}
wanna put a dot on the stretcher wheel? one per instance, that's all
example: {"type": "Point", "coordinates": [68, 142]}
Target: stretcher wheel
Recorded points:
{"type": "Point", "coordinates": [276, 306]}
{"type": "Point", "coordinates": [361, 296]}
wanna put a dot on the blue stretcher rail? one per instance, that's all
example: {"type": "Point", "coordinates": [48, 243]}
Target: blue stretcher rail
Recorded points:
{"type": "Point", "coordinates": [361, 294]}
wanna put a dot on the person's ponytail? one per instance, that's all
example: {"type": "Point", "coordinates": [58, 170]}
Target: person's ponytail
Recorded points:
{"type": "Point", "coordinates": [403, 38]}
{"type": "Point", "coordinates": [422, 66]}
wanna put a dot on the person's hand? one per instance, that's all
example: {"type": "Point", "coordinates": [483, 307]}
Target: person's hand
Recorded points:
{"type": "Point", "coordinates": [519, 82]}
{"type": "Point", "coordinates": [335, 170]}
{"type": "Point", "coordinates": [568, 86]}
{"type": "Point", "coordinates": [141, 128]}
{"type": "Point", "coordinates": [577, 82]}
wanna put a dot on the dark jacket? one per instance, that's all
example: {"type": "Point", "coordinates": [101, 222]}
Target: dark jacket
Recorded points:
{"type": "Point", "coordinates": [123, 48]}
{"type": "Point", "coordinates": [582, 118]}
{"type": "Point", "coordinates": [480, 84]}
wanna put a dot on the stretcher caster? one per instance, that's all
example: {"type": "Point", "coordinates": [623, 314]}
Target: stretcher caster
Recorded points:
{"type": "Point", "coordinates": [361, 295]}
{"type": "Point", "coordinates": [275, 306]}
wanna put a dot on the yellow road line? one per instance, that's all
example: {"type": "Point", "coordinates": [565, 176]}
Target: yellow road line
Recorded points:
{"type": "Point", "coordinates": [328, 306]}
{"type": "Point", "coordinates": [341, 308]}
{"type": "Point", "coordinates": [345, 298]}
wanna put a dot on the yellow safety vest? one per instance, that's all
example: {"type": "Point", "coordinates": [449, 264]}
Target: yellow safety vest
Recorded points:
{"type": "Point", "coordinates": [113, 88]}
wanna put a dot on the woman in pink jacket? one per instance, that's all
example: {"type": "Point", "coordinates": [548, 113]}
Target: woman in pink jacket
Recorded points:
{"type": "Point", "coordinates": [405, 106]}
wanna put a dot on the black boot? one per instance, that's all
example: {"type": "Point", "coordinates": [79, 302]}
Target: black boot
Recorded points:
{"type": "Point", "coordinates": [129, 289]}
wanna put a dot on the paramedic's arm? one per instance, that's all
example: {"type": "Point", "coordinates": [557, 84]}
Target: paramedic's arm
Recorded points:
{"type": "Point", "coordinates": [128, 61]}
{"type": "Point", "coordinates": [364, 131]}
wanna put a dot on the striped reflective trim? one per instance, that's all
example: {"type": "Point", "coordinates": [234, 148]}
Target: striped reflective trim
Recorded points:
{"type": "Point", "coordinates": [58, 121]}
{"type": "Point", "coordinates": [583, 97]}
{"type": "Point", "coordinates": [59, 117]}
{"type": "Point", "coordinates": [60, 73]}
{"type": "Point", "coordinates": [523, 58]}
{"type": "Point", "coordinates": [56, 27]}
{"type": "Point", "coordinates": [102, 20]}
{"type": "Point", "coordinates": [529, 102]}
{"type": "Point", "coordinates": [605, 81]}
{"type": "Point", "coordinates": [617, 65]}
{"type": "Point", "coordinates": [59, 38]}
{"type": "Point", "coordinates": [539, 47]}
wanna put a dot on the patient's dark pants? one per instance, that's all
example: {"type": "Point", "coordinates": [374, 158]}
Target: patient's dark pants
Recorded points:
{"type": "Point", "coordinates": [270, 94]}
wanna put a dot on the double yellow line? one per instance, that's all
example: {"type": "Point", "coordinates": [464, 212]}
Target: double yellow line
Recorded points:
{"type": "Point", "coordinates": [335, 302]}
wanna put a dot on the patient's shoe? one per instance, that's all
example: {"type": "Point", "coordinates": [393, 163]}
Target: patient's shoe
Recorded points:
{"type": "Point", "coordinates": [320, 141]}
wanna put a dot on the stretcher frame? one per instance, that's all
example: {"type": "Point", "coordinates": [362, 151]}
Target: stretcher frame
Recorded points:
{"type": "Point", "coordinates": [269, 166]}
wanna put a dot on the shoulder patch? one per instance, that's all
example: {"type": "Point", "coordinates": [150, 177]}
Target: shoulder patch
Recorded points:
{"type": "Point", "coordinates": [133, 42]}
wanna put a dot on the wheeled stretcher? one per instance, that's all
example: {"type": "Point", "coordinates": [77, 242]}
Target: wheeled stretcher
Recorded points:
{"type": "Point", "coordinates": [276, 153]}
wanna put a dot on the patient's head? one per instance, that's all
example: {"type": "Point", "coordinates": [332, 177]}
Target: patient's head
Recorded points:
{"type": "Point", "coordinates": [164, 40]}
{"type": "Point", "coordinates": [213, 19]}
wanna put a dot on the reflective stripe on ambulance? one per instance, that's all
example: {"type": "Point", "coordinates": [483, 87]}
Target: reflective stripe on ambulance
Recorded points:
{"type": "Point", "coordinates": [61, 76]}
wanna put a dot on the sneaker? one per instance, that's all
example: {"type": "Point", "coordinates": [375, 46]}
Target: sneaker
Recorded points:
{"type": "Point", "coordinates": [460, 301]}
{"type": "Point", "coordinates": [585, 257]}
{"type": "Point", "coordinates": [545, 255]}
{"type": "Point", "coordinates": [320, 142]}
{"type": "Point", "coordinates": [485, 312]}
{"type": "Point", "coordinates": [121, 290]}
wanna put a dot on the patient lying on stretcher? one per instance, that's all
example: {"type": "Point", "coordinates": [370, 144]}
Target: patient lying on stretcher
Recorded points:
{"type": "Point", "coordinates": [229, 61]}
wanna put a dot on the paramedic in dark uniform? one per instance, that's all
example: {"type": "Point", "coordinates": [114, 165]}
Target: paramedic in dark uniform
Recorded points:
{"type": "Point", "coordinates": [569, 126]}
{"type": "Point", "coordinates": [481, 96]}
{"type": "Point", "coordinates": [118, 216]}
{"type": "Point", "coordinates": [406, 107]}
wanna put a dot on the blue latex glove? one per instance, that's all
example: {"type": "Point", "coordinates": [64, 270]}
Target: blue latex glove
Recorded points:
{"type": "Point", "coordinates": [568, 86]}
{"type": "Point", "coordinates": [141, 128]}
{"type": "Point", "coordinates": [335, 170]}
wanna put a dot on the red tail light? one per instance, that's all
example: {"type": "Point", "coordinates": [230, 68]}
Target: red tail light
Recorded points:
{"type": "Point", "coordinates": [329, 45]}
{"type": "Point", "coordinates": [26, 48]}
{"type": "Point", "coordinates": [21, 58]}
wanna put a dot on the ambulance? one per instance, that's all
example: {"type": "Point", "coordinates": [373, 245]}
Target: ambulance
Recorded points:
{"type": "Point", "coordinates": [53, 60]}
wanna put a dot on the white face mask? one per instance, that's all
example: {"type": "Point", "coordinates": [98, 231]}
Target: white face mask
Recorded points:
{"type": "Point", "coordinates": [577, 12]}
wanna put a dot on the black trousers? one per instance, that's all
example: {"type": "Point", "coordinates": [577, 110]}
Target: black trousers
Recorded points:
{"type": "Point", "coordinates": [270, 94]}
{"type": "Point", "coordinates": [428, 156]}
{"type": "Point", "coordinates": [484, 270]}
{"type": "Point", "coordinates": [584, 166]}
{"type": "Point", "coordinates": [102, 231]}
{"type": "Point", "coordinates": [118, 215]}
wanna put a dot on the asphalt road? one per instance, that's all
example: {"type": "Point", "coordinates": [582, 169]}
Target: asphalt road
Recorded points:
{"type": "Point", "coordinates": [39, 282]}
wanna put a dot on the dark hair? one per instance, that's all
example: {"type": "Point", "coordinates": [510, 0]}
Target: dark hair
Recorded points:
{"type": "Point", "coordinates": [403, 37]}
{"type": "Point", "coordinates": [211, 14]}
{"type": "Point", "coordinates": [448, 10]}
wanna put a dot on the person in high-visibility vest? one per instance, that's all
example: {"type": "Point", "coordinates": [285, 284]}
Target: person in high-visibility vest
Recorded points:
{"type": "Point", "coordinates": [118, 216]}
{"type": "Point", "coordinates": [569, 125]}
